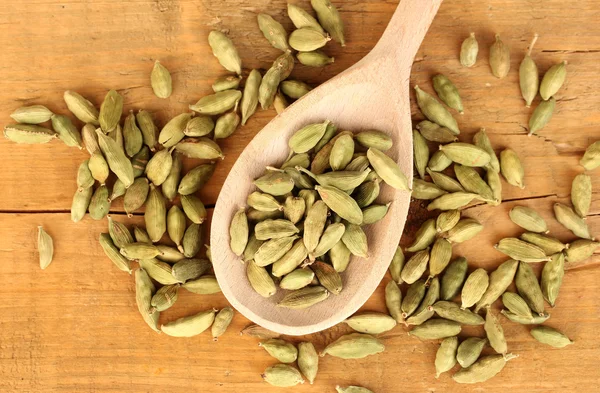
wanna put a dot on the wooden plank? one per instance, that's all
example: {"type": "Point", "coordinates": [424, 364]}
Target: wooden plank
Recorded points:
{"type": "Point", "coordinates": [126, 40]}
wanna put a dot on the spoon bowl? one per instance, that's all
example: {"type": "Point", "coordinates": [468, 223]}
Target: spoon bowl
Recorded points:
{"type": "Point", "coordinates": [373, 94]}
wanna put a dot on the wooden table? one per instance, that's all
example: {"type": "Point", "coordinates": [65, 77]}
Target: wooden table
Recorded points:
{"type": "Point", "coordinates": [75, 326]}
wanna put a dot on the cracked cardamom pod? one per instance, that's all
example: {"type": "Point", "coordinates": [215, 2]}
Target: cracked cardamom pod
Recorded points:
{"type": "Point", "coordinates": [529, 76]}
{"type": "Point", "coordinates": [499, 58]}
{"type": "Point", "coordinates": [512, 169]}
{"type": "Point", "coordinates": [541, 115]}
{"type": "Point", "coordinates": [435, 112]}
{"type": "Point", "coordinates": [448, 92]}
{"type": "Point", "coordinates": [553, 80]}
{"type": "Point", "coordinates": [468, 51]}
{"type": "Point", "coordinates": [225, 51]}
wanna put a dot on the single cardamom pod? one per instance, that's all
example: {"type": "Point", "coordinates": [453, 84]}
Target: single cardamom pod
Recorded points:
{"type": "Point", "coordinates": [156, 214]}
{"type": "Point", "coordinates": [115, 157]}
{"type": "Point", "coordinates": [466, 154]}
{"type": "Point", "coordinates": [144, 290]}
{"type": "Point", "coordinates": [195, 179]}
{"type": "Point", "coordinates": [112, 252]}
{"type": "Point", "coordinates": [194, 208]}
{"type": "Point", "coordinates": [435, 111]}
{"type": "Point", "coordinates": [471, 181]}
{"type": "Point", "coordinates": [297, 279]}
{"type": "Point", "coordinates": [331, 236]}
{"type": "Point", "coordinates": [483, 369]}
{"type": "Point", "coordinates": [387, 169]}
{"type": "Point", "coordinates": [520, 250]}
{"type": "Point", "coordinates": [441, 252]}
{"type": "Point", "coordinates": [159, 271]}
{"type": "Point", "coordinates": [30, 134]}
{"type": "Point", "coordinates": [421, 153]}
{"type": "Point", "coordinates": [529, 76]}
{"type": "Point", "coordinates": [464, 230]}
{"type": "Point", "coordinates": [263, 202]}
{"type": "Point", "coordinates": [341, 153]}
{"type": "Point", "coordinates": [468, 51]}
{"type": "Point", "coordinates": [136, 195]}
{"type": "Point", "coordinates": [300, 18]}
{"type": "Point", "coordinates": [281, 350]}
{"type": "Point", "coordinates": [435, 329]}
{"type": "Point", "coordinates": [307, 39]}
{"type": "Point", "coordinates": [550, 336]}
{"type": "Point", "coordinates": [110, 111]}
{"type": "Point", "coordinates": [275, 229]}
{"type": "Point", "coordinates": [341, 203]}
{"type": "Point", "coordinates": [294, 209]}
{"type": "Point", "coordinates": [308, 360]}
{"type": "Point", "coordinates": [99, 167]}
{"type": "Point", "coordinates": [45, 248]}
{"type": "Point", "coordinates": [393, 300]}
{"type": "Point", "coordinates": [201, 148]}
{"type": "Point", "coordinates": [516, 305]}
{"type": "Point", "coordinates": [320, 161]}
{"type": "Point", "coordinates": [260, 279]}
{"type": "Point", "coordinates": [159, 167]}
{"type": "Point", "coordinates": [541, 115]}
{"type": "Point", "coordinates": [581, 194]}
{"type": "Point", "coordinates": [135, 251]}
{"type": "Point", "coordinates": [160, 80]}
{"type": "Point", "coordinates": [205, 285]}
{"type": "Point", "coordinates": [445, 358]}
{"type": "Point", "coordinates": [268, 87]}
{"type": "Point", "coordinates": [447, 220]}
{"type": "Point", "coordinates": [581, 249]}
{"type": "Point", "coordinates": [591, 157]}
{"type": "Point", "coordinates": [226, 83]}
{"type": "Point", "coordinates": [238, 232]}
{"type": "Point", "coordinates": [222, 321]}
{"type": "Point", "coordinates": [117, 135]}
{"type": "Point", "coordinates": [176, 225]}
{"type": "Point", "coordinates": [314, 58]}
{"type": "Point", "coordinates": [495, 333]}
{"type": "Point", "coordinates": [493, 180]}
{"type": "Point", "coordinates": [169, 254]}
{"type": "Point", "coordinates": [453, 278]}
{"type": "Point", "coordinates": [500, 279]}
{"type": "Point", "coordinates": [257, 216]}
{"type": "Point", "coordinates": [552, 276]}
{"type": "Point", "coordinates": [354, 346]}
{"type": "Point", "coordinates": [434, 133]}
{"type": "Point", "coordinates": [304, 298]}
{"type": "Point", "coordinates": [307, 137]}
{"type": "Point", "coordinates": [132, 136]}
{"type": "Point", "coordinates": [343, 180]}
{"type": "Point", "coordinates": [118, 190]}
{"type": "Point", "coordinates": [250, 97]}
{"type": "Point", "coordinates": [120, 235]}
{"type": "Point", "coordinates": [282, 375]}
{"type": "Point", "coordinates": [81, 201]}
{"type": "Point", "coordinates": [83, 109]}
{"type": "Point", "coordinates": [528, 219]}
{"type": "Point", "coordinates": [100, 203]}
{"type": "Point", "coordinates": [217, 103]}
{"type": "Point", "coordinates": [424, 236]}
{"type": "Point", "coordinates": [164, 298]}
{"type": "Point", "coordinates": [294, 89]}
{"type": "Point", "coordinates": [330, 19]}
{"type": "Point", "coordinates": [189, 326]}
{"type": "Point", "coordinates": [280, 103]}
{"type": "Point", "coordinates": [140, 161]}
{"type": "Point", "coordinates": [34, 114]}
{"type": "Point", "coordinates": [374, 139]}
{"type": "Point", "coordinates": [84, 176]}
{"type": "Point", "coordinates": [570, 220]}
{"type": "Point", "coordinates": [445, 182]}
{"type": "Point", "coordinates": [549, 244]}
{"type": "Point", "coordinates": [199, 126]}
{"type": "Point", "coordinates": [284, 64]}
{"type": "Point", "coordinates": [352, 389]}
{"type": "Point", "coordinates": [89, 138]}
{"type": "Point", "coordinates": [273, 32]}
{"type": "Point", "coordinates": [259, 332]}
{"type": "Point", "coordinates": [289, 261]}
{"type": "Point", "coordinates": [499, 58]}
{"type": "Point", "coordinates": [192, 240]}
{"type": "Point", "coordinates": [413, 298]}
{"type": "Point", "coordinates": [67, 132]}
{"type": "Point", "coordinates": [328, 277]}
{"type": "Point", "coordinates": [356, 240]}
{"type": "Point", "coordinates": [396, 266]}
{"type": "Point", "coordinates": [469, 350]}
{"type": "Point", "coordinates": [339, 255]}
{"type": "Point", "coordinates": [424, 190]}
{"type": "Point", "coordinates": [476, 285]}
{"type": "Point", "coordinates": [371, 323]}
{"type": "Point", "coordinates": [273, 250]}
{"type": "Point", "coordinates": [452, 312]}
{"type": "Point", "coordinates": [415, 267]}
{"type": "Point", "coordinates": [529, 288]}
{"type": "Point", "coordinates": [226, 125]}
{"type": "Point", "coordinates": [553, 80]}
{"type": "Point", "coordinates": [511, 168]}
{"type": "Point", "coordinates": [452, 201]}
{"type": "Point", "coordinates": [447, 92]}
{"type": "Point", "coordinates": [482, 141]}
{"type": "Point", "coordinates": [173, 131]}
{"type": "Point", "coordinates": [225, 51]}
{"type": "Point", "coordinates": [302, 160]}
{"type": "Point", "coordinates": [148, 128]}
{"type": "Point", "coordinates": [367, 193]}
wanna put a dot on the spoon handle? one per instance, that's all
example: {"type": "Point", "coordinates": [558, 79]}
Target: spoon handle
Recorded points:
{"type": "Point", "coordinates": [405, 32]}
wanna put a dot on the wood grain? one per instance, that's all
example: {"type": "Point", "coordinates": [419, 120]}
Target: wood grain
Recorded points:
{"type": "Point", "coordinates": [75, 326]}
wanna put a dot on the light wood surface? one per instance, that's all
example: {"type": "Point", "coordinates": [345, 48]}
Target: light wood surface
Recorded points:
{"type": "Point", "coordinates": [358, 99]}
{"type": "Point", "coordinates": [75, 326]}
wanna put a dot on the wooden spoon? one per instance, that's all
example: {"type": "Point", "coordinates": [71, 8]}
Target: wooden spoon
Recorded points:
{"type": "Point", "coordinates": [373, 94]}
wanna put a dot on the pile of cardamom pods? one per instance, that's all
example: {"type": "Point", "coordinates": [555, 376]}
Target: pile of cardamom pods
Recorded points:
{"type": "Point", "coordinates": [326, 208]}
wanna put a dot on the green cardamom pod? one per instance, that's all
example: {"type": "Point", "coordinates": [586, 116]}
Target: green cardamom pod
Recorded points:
{"type": "Point", "coordinates": [516, 304]}
{"type": "Point", "coordinates": [81, 201]}
{"type": "Point", "coordinates": [45, 248]}
{"type": "Point", "coordinates": [580, 250]}
{"type": "Point", "coordinates": [287, 263]}
{"type": "Point", "coordinates": [201, 148]}
{"type": "Point", "coordinates": [435, 329]}
{"type": "Point", "coordinates": [192, 240]}
{"type": "Point", "coordinates": [500, 279]}
{"type": "Point", "coordinates": [529, 288]}
{"type": "Point", "coordinates": [159, 167]}
{"type": "Point", "coordinates": [307, 137]}
{"type": "Point", "coordinates": [424, 311]}
{"type": "Point", "coordinates": [331, 236]}
{"type": "Point", "coordinates": [156, 214]}
{"type": "Point", "coordinates": [445, 358]}
{"type": "Point", "coordinates": [136, 195]}
{"type": "Point", "coordinates": [453, 278]}
{"type": "Point", "coordinates": [144, 290]}
{"type": "Point", "coordinates": [112, 252]}
{"type": "Point", "coordinates": [226, 83]}
{"type": "Point", "coordinates": [356, 240]}
{"type": "Point", "coordinates": [160, 80]}
{"type": "Point", "coordinates": [341, 153]}
{"type": "Point", "coordinates": [304, 298]}
{"type": "Point", "coordinates": [314, 58]}
{"type": "Point", "coordinates": [341, 203]}
{"type": "Point", "coordinates": [550, 336]}
{"type": "Point", "coordinates": [222, 321]}
{"type": "Point", "coordinates": [435, 111]}
{"type": "Point", "coordinates": [83, 109]}
{"type": "Point", "coordinates": [421, 153]}
{"type": "Point", "coordinates": [528, 219]}
{"type": "Point", "coordinates": [511, 168]}
{"type": "Point", "coordinates": [553, 80]}
{"type": "Point", "coordinates": [354, 346]}
{"type": "Point", "coordinates": [199, 126]}
{"type": "Point", "coordinates": [483, 369]}
{"type": "Point", "coordinates": [308, 360]}
{"type": "Point", "coordinates": [132, 136]}
{"type": "Point", "coordinates": [330, 19]}
{"type": "Point", "coordinates": [294, 89]}
{"type": "Point", "coordinates": [415, 267]}
{"type": "Point", "coordinates": [495, 333]}
{"type": "Point", "coordinates": [441, 252]}
{"type": "Point", "coordinates": [115, 157]}
{"type": "Point", "coordinates": [424, 190]}
{"type": "Point", "coordinates": [424, 236]}
{"type": "Point", "coordinates": [205, 285]}
{"type": "Point", "coordinates": [282, 375]}
{"type": "Point", "coordinates": [297, 279]}
{"type": "Point", "coordinates": [281, 350]}
{"type": "Point", "coordinates": [445, 182]}
{"type": "Point", "coordinates": [275, 229]}
{"type": "Point", "coordinates": [452, 201]}
{"type": "Point", "coordinates": [393, 300]}
{"type": "Point", "coordinates": [84, 176]}
{"type": "Point", "coordinates": [552, 276]}
{"type": "Point", "coordinates": [549, 244]}
{"type": "Point", "coordinates": [195, 179]}
{"type": "Point", "coordinates": [308, 39]}
{"type": "Point", "coordinates": [164, 298]}
{"type": "Point", "coordinates": [573, 222]}
{"type": "Point", "coordinates": [176, 225]}
{"type": "Point", "coordinates": [452, 312]}
{"type": "Point", "coordinates": [371, 323]}
{"type": "Point", "coordinates": [447, 92]}
{"type": "Point", "coordinates": [225, 51]}
{"type": "Point", "coordinates": [434, 133]}
{"type": "Point", "coordinates": [475, 286]}
{"type": "Point", "coordinates": [367, 193]}
{"type": "Point", "coordinates": [110, 111]}
{"type": "Point", "coordinates": [469, 350]}
{"type": "Point", "coordinates": [529, 76]}
{"type": "Point", "coordinates": [520, 250]}
{"type": "Point", "coordinates": [89, 138]}
{"type": "Point", "coordinates": [468, 51]}
{"type": "Point", "coordinates": [414, 296]}
{"type": "Point", "coordinates": [581, 194]}
{"type": "Point", "coordinates": [118, 190]}
{"type": "Point", "coordinates": [320, 161]}
{"type": "Point", "coordinates": [273, 32]}
{"type": "Point", "coordinates": [217, 103]}
{"type": "Point", "coordinates": [466, 154]}
{"type": "Point", "coordinates": [100, 203]}
{"type": "Point", "coordinates": [189, 326]}
{"type": "Point", "coordinates": [249, 101]}
{"type": "Point", "coordinates": [294, 209]}
{"type": "Point", "coordinates": [591, 157]}
{"type": "Point", "coordinates": [464, 230]}
{"type": "Point", "coordinates": [328, 277]}
{"type": "Point", "coordinates": [533, 320]}
{"type": "Point", "coordinates": [173, 131]}
{"type": "Point", "coordinates": [339, 255]}
{"type": "Point", "coordinates": [541, 115]}
{"type": "Point", "coordinates": [239, 232]}
{"type": "Point", "coordinates": [34, 114]}
{"type": "Point", "coordinates": [273, 250]}
{"type": "Point", "coordinates": [134, 251]}
{"type": "Point", "coordinates": [387, 169]}
{"type": "Point", "coordinates": [66, 131]}
{"type": "Point", "coordinates": [499, 58]}
{"type": "Point", "coordinates": [226, 125]}
{"type": "Point", "coordinates": [471, 181]}
{"type": "Point", "coordinates": [99, 167]}
{"type": "Point", "coordinates": [120, 235]}
{"type": "Point", "coordinates": [268, 87]}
